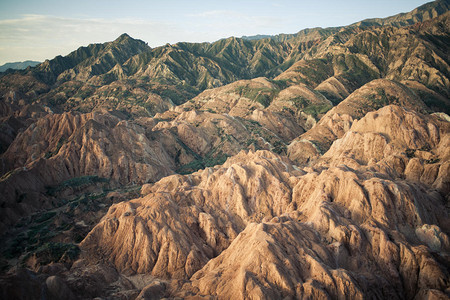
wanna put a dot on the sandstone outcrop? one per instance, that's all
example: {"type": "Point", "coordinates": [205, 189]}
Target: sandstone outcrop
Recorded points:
{"type": "Point", "coordinates": [71, 145]}
{"type": "Point", "coordinates": [259, 226]}
{"type": "Point", "coordinates": [340, 118]}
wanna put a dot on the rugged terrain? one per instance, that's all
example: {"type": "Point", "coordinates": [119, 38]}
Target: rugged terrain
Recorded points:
{"type": "Point", "coordinates": [313, 165]}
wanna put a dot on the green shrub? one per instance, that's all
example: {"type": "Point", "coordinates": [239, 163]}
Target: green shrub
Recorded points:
{"type": "Point", "coordinates": [432, 160]}
{"type": "Point", "coordinates": [57, 252]}
{"type": "Point", "coordinates": [263, 99]}
{"type": "Point", "coordinates": [316, 110]}
{"type": "Point", "coordinates": [60, 143]}
{"type": "Point", "coordinates": [300, 102]}
{"type": "Point", "coordinates": [208, 161]}
{"type": "Point", "coordinates": [410, 153]}
{"type": "Point", "coordinates": [279, 147]}
{"type": "Point", "coordinates": [77, 182]}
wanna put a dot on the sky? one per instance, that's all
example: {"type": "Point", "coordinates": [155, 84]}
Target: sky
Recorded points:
{"type": "Point", "coordinates": [43, 29]}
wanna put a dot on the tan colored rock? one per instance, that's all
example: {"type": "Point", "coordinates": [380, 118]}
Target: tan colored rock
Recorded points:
{"type": "Point", "coordinates": [70, 145]}
{"type": "Point", "coordinates": [414, 170]}
{"type": "Point", "coordinates": [379, 137]}
{"type": "Point", "coordinates": [338, 120]}
{"type": "Point", "coordinates": [259, 227]}
{"type": "Point", "coordinates": [170, 248]}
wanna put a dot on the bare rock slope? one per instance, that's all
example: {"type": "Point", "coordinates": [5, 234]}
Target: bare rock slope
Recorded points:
{"type": "Point", "coordinates": [339, 119]}
{"type": "Point", "coordinates": [71, 145]}
{"type": "Point", "coordinates": [260, 227]}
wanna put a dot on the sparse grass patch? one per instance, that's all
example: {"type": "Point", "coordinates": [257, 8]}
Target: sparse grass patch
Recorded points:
{"type": "Point", "coordinates": [77, 182]}
{"type": "Point", "coordinates": [410, 153]}
{"type": "Point", "coordinates": [279, 147]}
{"type": "Point", "coordinates": [208, 161]}
{"type": "Point", "coordinates": [264, 95]}
{"type": "Point", "coordinates": [60, 143]}
{"type": "Point", "coordinates": [316, 110]}
{"type": "Point", "coordinates": [56, 252]}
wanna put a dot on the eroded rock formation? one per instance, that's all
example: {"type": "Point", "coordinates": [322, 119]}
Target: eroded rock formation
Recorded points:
{"type": "Point", "coordinates": [259, 227]}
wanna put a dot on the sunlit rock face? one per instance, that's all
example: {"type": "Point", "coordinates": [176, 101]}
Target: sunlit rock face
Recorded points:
{"type": "Point", "coordinates": [258, 226]}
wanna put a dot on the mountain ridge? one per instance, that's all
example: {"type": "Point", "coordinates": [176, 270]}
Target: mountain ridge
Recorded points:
{"type": "Point", "coordinates": [163, 71]}
{"type": "Point", "coordinates": [18, 65]}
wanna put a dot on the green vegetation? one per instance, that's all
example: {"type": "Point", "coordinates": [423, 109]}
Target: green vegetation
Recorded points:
{"type": "Point", "coordinates": [279, 147]}
{"type": "Point", "coordinates": [380, 99]}
{"type": "Point", "coordinates": [259, 134]}
{"type": "Point", "coordinates": [314, 71]}
{"type": "Point", "coordinates": [264, 95]}
{"type": "Point", "coordinates": [84, 92]}
{"type": "Point", "coordinates": [317, 110]}
{"type": "Point", "coordinates": [38, 232]}
{"type": "Point", "coordinates": [45, 216]}
{"type": "Point", "coordinates": [307, 107]}
{"type": "Point", "coordinates": [150, 107]}
{"type": "Point", "coordinates": [434, 103]}
{"type": "Point", "coordinates": [281, 83]}
{"type": "Point", "coordinates": [253, 142]}
{"type": "Point", "coordinates": [334, 99]}
{"type": "Point", "coordinates": [210, 160]}
{"type": "Point", "coordinates": [57, 99]}
{"type": "Point", "coordinates": [410, 153]}
{"type": "Point", "coordinates": [300, 103]}
{"type": "Point", "coordinates": [83, 180]}
{"type": "Point", "coordinates": [264, 99]}
{"type": "Point", "coordinates": [56, 252]}
{"type": "Point", "coordinates": [77, 182]}
{"type": "Point", "coordinates": [354, 71]}
{"type": "Point", "coordinates": [60, 143]}
{"type": "Point", "coordinates": [177, 94]}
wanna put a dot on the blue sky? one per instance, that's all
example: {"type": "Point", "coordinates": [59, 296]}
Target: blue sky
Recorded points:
{"type": "Point", "coordinates": [42, 29]}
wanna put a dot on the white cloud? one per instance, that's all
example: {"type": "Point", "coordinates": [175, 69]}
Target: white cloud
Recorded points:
{"type": "Point", "coordinates": [40, 37]}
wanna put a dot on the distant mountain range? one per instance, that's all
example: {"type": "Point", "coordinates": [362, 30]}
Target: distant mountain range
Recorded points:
{"type": "Point", "coordinates": [19, 65]}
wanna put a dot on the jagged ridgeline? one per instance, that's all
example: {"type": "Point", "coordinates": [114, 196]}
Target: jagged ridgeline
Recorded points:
{"type": "Point", "coordinates": [311, 165]}
{"type": "Point", "coordinates": [126, 74]}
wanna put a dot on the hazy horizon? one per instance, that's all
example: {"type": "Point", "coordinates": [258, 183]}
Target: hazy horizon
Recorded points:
{"type": "Point", "coordinates": [39, 30]}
